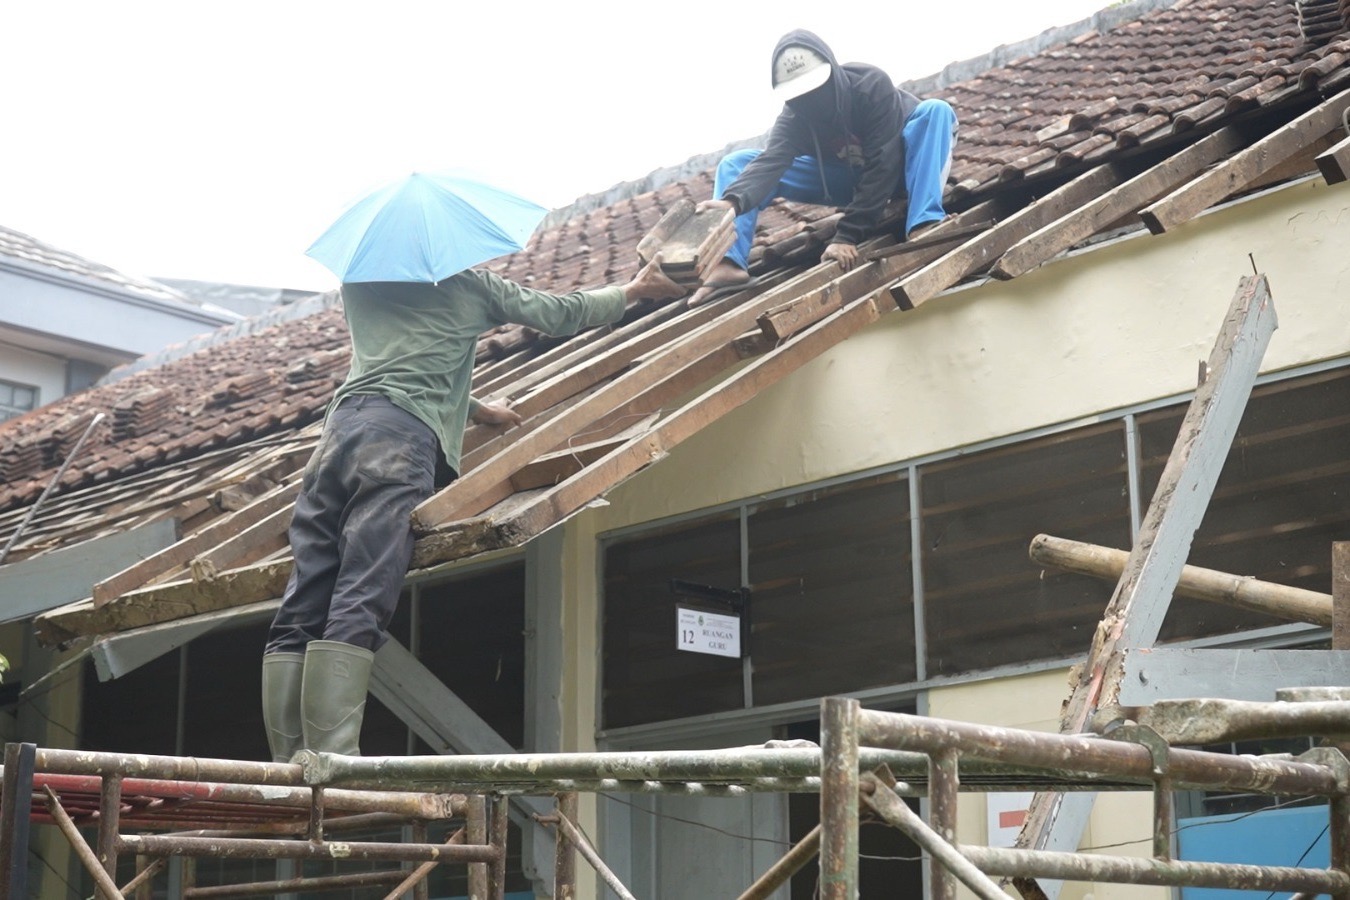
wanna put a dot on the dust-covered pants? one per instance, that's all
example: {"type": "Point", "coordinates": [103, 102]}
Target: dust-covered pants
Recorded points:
{"type": "Point", "coordinates": [351, 534]}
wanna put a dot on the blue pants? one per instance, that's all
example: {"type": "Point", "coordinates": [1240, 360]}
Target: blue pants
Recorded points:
{"type": "Point", "coordinates": [929, 133]}
{"type": "Point", "coordinates": [351, 534]}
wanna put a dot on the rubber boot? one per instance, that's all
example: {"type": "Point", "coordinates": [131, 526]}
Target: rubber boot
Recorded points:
{"type": "Point", "coordinates": [333, 696]}
{"type": "Point", "coordinates": [281, 676]}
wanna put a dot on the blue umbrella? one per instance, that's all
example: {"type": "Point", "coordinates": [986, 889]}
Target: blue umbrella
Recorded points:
{"type": "Point", "coordinates": [425, 227]}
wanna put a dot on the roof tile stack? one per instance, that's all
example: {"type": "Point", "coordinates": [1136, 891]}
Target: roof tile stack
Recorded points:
{"type": "Point", "coordinates": [142, 412]}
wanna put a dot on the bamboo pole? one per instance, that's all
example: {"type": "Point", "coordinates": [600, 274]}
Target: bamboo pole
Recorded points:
{"type": "Point", "coordinates": [1201, 584]}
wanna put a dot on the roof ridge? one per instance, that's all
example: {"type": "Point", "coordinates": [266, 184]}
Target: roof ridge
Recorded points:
{"type": "Point", "coordinates": [1103, 20]}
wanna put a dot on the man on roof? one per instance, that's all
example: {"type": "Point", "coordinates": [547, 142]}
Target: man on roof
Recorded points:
{"type": "Point", "coordinates": [847, 136]}
{"type": "Point", "coordinates": [395, 424]}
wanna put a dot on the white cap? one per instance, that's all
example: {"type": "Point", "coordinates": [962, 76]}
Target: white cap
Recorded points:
{"type": "Point", "coordinates": [798, 70]}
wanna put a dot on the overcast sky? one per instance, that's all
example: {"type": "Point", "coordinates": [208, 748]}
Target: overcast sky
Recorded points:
{"type": "Point", "coordinates": [214, 141]}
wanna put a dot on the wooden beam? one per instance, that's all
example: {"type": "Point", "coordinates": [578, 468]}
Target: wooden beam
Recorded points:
{"type": "Point", "coordinates": [1266, 597]}
{"type": "Point", "coordinates": [1113, 205]}
{"type": "Point", "coordinates": [783, 321]}
{"type": "Point", "coordinates": [170, 558]}
{"type": "Point", "coordinates": [1334, 164]}
{"type": "Point", "coordinates": [549, 508]}
{"type": "Point", "coordinates": [258, 540]}
{"type": "Point", "coordinates": [163, 603]}
{"type": "Point", "coordinates": [470, 494]}
{"type": "Point", "coordinates": [945, 272]}
{"type": "Point", "coordinates": [1134, 615]}
{"type": "Point", "coordinates": [1235, 174]}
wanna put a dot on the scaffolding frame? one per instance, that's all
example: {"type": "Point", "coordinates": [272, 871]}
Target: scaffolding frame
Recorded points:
{"type": "Point", "coordinates": [869, 761]}
{"type": "Point", "coordinates": [1129, 751]}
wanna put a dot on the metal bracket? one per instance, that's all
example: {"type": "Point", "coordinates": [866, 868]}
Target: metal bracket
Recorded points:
{"type": "Point", "coordinates": [1333, 759]}
{"type": "Point", "coordinates": [1147, 738]}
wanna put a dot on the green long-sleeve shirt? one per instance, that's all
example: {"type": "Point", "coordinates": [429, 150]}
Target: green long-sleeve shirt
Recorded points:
{"type": "Point", "coordinates": [415, 343]}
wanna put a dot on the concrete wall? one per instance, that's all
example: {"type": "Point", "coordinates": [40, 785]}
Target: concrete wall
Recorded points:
{"type": "Point", "coordinates": [1122, 324]}
{"type": "Point", "coordinates": [43, 371]}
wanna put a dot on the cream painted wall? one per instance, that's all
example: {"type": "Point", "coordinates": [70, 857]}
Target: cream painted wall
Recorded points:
{"type": "Point", "coordinates": [1118, 325]}
{"type": "Point", "coordinates": [1032, 702]}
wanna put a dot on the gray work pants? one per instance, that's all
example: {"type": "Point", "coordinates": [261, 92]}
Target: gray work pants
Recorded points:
{"type": "Point", "coordinates": [351, 534]}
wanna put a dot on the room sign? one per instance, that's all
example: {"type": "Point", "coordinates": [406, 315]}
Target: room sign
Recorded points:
{"type": "Point", "coordinates": [701, 631]}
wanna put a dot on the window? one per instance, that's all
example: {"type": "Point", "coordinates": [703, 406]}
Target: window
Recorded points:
{"type": "Point", "coordinates": [832, 592]}
{"type": "Point", "coordinates": [985, 603]}
{"type": "Point", "coordinates": [16, 399]}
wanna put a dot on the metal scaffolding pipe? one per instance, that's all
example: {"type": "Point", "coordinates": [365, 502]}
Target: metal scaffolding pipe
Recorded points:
{"type": "Point", "coordinates": [298, 885]}
{"type": "Point", "coordinates": [544, 771]}
{"type": "Point", "coordinates": [1069, 755]}
{"type": "Point", "coordinates": [1168, 873]}
{"type": "Point", "coordinates": [409, 804]}
{"type": "Point", "coordinates": [249, 848]}
{"type": "Point", "coordinates": [894, 811]}
{"type": "Point", "coordinates": [588, 853]}
{"type": "Point", "coordinates": [788, 865]}
{"type": "Point", "coordinates": [418, 875]}
{"type": "Point", "coordinates": [839, 798]}
{"type": "Point", "coordinates": [176, 768]}
{"type": "Point", "coordinates": [103, 882]}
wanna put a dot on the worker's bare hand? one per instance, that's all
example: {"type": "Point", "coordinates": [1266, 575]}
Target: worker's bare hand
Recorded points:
{"type": "Point", "coordinates": [844, 254]}
{"type": "Point", "coordinates": [652, 284]}
{"type": "Point", "coordinates": [496, 413]}
{"type": "Point", "coordinates": [716, 203]}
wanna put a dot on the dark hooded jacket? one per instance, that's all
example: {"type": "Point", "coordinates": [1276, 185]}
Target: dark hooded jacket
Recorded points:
{"type": "Point", "coordinates": [855, 118]}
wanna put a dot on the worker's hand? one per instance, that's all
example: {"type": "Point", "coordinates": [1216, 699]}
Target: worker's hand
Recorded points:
{"type": "Point", "coordinates": [651, 284]}
{"type": "Point", "coordinates": [844, 254]}
{"type": "Point", "coordinates": [496, 413]}
{"type": "Point", "coordinates": [718, 203]}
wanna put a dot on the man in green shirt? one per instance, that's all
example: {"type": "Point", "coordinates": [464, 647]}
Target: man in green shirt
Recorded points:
{"type": "Point", "coordinates": [397, 419]}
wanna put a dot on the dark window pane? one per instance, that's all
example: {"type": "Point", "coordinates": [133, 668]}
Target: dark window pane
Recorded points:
{"type": "Point", "coordinates": [1280, 501]}
{"type": "Point", "coordinates": [986, 604]}
{"type": "Point", "coordinates": [473, 640]}
{"type": "Point", "coordinates": [832, 605]}
{"type": "Point", "coordinates": [137, 713]}
{"type": "Point", "coordinates": [222, 713]}
{"type": "Point", "coordinates": [646, 679]}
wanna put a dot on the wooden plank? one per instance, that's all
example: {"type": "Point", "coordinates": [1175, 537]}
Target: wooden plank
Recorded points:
{"type": "Point", "coordinates": [163, 603]}
{"type": "Point", "coordinates": [254, 542]}
{"type": "Point", "coordinates": [1173, 673]}
{"type": "Point", "coordinates": [1232, 176]}
{"type": "Point", "coordinates": [551, 468]}
{"type": "Point", "coordinates": [978, 253]}
{"type": "Point", "coordinates": [938, 237]}
{"type": "Point", "coordinates": [555, 505]}
{"type": "Point", "coordinates": [180, 553]}
{"type": "Point", "coordinates": [1141, 598]}
{"type": "Point", "coordinates": [1334, 164]}
{"type": "Point", "coordinates": [783, 321]}
{"type": "Point", "coordinates": [1115, 204]}
{"type": "Point", "coordinates": [462, 499]}
{"type": "Point", "coordinates": [466, 497]}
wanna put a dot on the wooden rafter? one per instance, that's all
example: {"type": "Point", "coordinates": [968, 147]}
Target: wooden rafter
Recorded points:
{"type": "Point", "coordinates": [1115, 204]}
{"type": "Point", "coordinates": [1242, 169]}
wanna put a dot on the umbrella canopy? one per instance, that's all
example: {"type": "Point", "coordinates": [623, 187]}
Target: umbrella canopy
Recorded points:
{"type": "Point", "coordinates": [425, 227]}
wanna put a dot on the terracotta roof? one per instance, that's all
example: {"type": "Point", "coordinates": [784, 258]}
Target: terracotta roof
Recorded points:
{"type": "Point", "coordinates": [1135, 92]}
